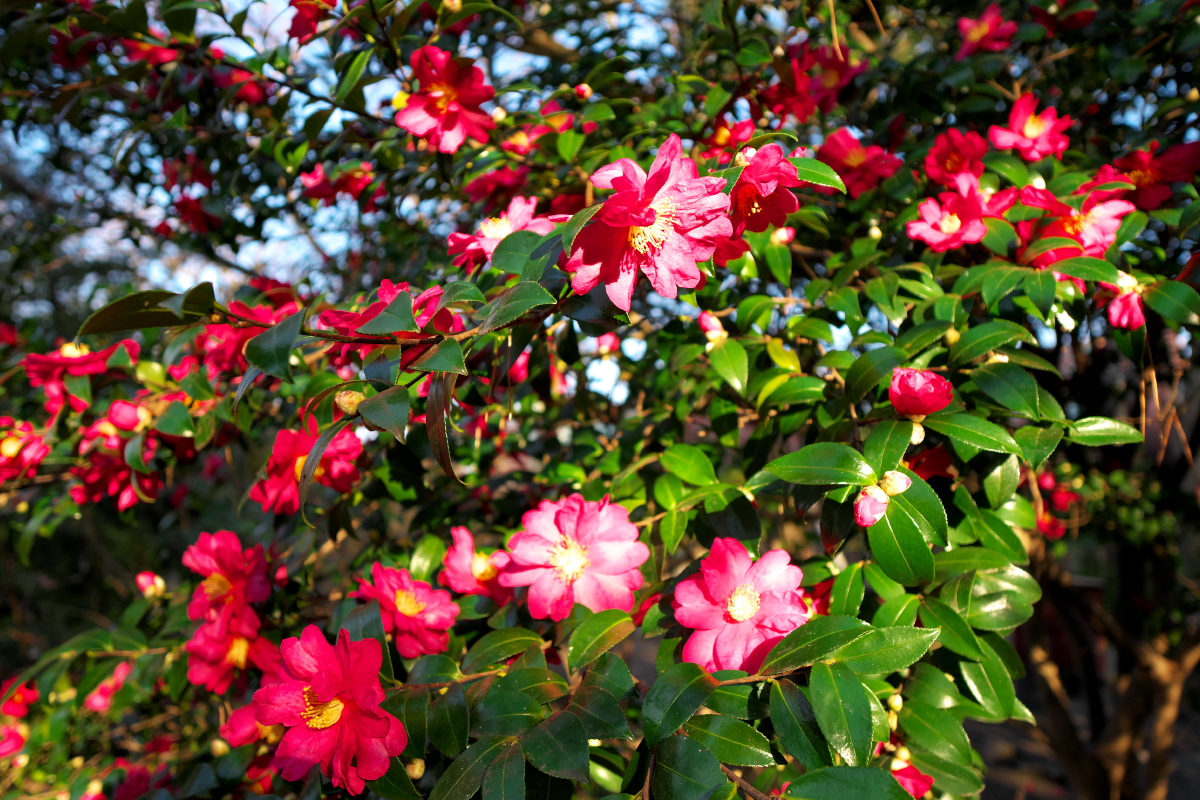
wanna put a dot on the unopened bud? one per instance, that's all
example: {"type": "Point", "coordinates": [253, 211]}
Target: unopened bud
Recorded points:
{"type": "Point", "coordinates": [918, 434]}
{"type": "Point", "coordinates": [874, 232]}
{"type": "Point", "coordinates": [893, 720]}
{"type": "Point", "coordinates": [415, 768]}
{"type": "Point", "coordinates": [997, 358]}
{"type": "Point", "coordinates": [870, 506]}
{"type": "Point", "coordinates": [453, 6]}
{"type": "Point", "coordinates": [895, 702]}
{"type": "Point", "coordinates": [895, 483]}
{"type": "Point", "coordinates": [151, 584]}
{"type": "Point", "coordinates": [744, 157]}
{"type": "Point", "coordinates": [951, 337]}
{"type": "Point", "coordinates": [348, 401]}
{"type": "Point", "coordinates": [1037, 181]}
{"type": "Point", "coordinates": [783, 235]}
{"type": "Point", "coordinates": [219, 747]}
{"type": "Point", "coordinates": [584, 92]}
{"type": "Point", "coordinates": [499, 114]}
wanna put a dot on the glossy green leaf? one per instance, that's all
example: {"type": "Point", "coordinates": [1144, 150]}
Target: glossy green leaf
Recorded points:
{"type": "Point", "coordinates": [848, 591]}
{"type": "Point", "coordinates": [445, 356]}
{"type": "Point", "coordinates": [936, 731]}
{"type": "Point", "coordinates": [271, 350]}
{"type": "Point", "coordinates": [956, 634]}
{"type": "Point", "coordinates": [685, 770]}
{"type": "Point", "coordinates": [504, 713]}
{"type": "Point", "coordinates": [973, 431]}
{"type": "Point", "coordinates": [897, 612]}
{"type": "Point", "coordinates": [824, 463]}
{"type": "Point", "coordinates": [1037, 444]}
{"type": "Point", "coordinates": [463, 777]}
{"type": "Point", "coordinates": [558, 747]}
{"type": "Point", "coordinates": [514, 303]}
{"type": "Point", "coordinates": [730, 740]}
{"type": "Point", "coordinates": [600, 713]}
{"type": "Point", "coordinates": [812, 642]}
{"type": "Point", "coordinates": [796, 725]}
{"type": "Point", "coordinates": [498, 645]}
{"type": "Point", "coordinates": [887, 444]}
{"type": "Point", "coordinates": [900, 548]}
{"type": "Point", "coordinates": [1175, 300]}
{"type": "Point", "coordinates": [450, 721]}
{"type": "Point", "coordinates": [871, 369]}
{"type": "Point", "coordinates": [1010, 386]}
{"type": "Point", "coordinates": [505, 778]}
{"type": "Point", "coordinates": [885, 650]}
{"type": "Point", "coordinates": [396, 316]}
{"type": "Point", "coordinates": [674, 698]}
{"type": "Point", "coordinates": [982, 339]}
{"type": "Point", "coordinates": [730, 362]}
{"type": "Point", "coordinates": [924, 507]}
{"type": "Point", "coordinates": [847, 783]}
{"type": "Point", "coordinates": [538, 682]}
{"type": "Point", "coordinates": [817, 172]}
{"type": "Point", "coordinates": [597, 635]}
{"type": "Point", "coordinates": [1088, 269]}
{"type": "Point", "coordinates": [690, 464]}
{"type": "Point", "coordinates": [843, 711]}
{"type": "Point", "coordinates": [1097, 431]}
{"type": "Point", "coordinates": [388, 410]}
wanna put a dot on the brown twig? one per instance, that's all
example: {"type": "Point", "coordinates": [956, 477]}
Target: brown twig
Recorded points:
{"type": "Point", "coordinates": [733, 776]}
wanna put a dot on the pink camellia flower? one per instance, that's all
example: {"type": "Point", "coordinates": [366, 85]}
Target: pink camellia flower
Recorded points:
{"type": "Point", "coordinates": [1094, 226]}
{"type": "Point", "coordinates": [1153, 174]}
{"type": "Point", "coordinates": [76, 360]}
{"type": "Point", "coordinates": [1034, 136]}
{"type": "Point", "coordinates": [101, 698]}
{"type": "Point", "coordinates": [576, 551]}
{"type": "Point", "coordinates": [860, 168]}
{"type": "Point", "coordinates": [1126, 309]}
{"type": "Point", "coordinates": [151, 584]}
{"type": "Point", "coordinates": [608, 344]}
{"type": "Point", "coordinates": [913, 781]}
{"type": "Point", "coordinates": [917, 393]}
{"type": "Point", "coordinates": [279, 492]}
{"type": "Point", "coordinates": [714, 331]}
{"type": "Point", "coordinates": [739, 609]}
{"type": "Point", "coordinates": [446, 108]}
{"type": "Point", "coordinates": [18, 703]}
{"type": "Point", "coordinates": [729, 249]}
{"type": "Point", "coordinates": [955, 152]}
{"type": "Point", "coordinates": [838, 71]}
{"type": "Point", "coordinates": [954, 222]}
{"type": "Point", "coordinates": [21, 450]}
{"type": "Point", "coordinates": [329, 700]}
{"type": "Point", "coordinates": [870, 506]}
{"type": "Point", "coordinates": [725, 138]}
{"type": "Point", "coordinates": [242, 728]}
{"type": "Point", "coordinates": [991, 32]}
{"type": "Point", "coordinates": [13, 738]}
{"type": "Point", "coordinates": [762, 197]}
{"type": "Point", "coordinates": [419, 615]}
{"type": "Point", "coordinates": [219, 650]}
{"type": "Point", "coordinates": [661, 224]}
{"type": "Point", "coordinates": [309, 14]}
{"type": "Point", "coordinates": [525, 140]}
{"type": "Point", "coordinates": [471, 250]}
{"type": "Point", "coordinates": [233, 577]}
{"type": "Point", "coordinates": [468, 571]}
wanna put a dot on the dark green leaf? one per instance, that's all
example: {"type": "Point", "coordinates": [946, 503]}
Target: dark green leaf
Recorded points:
{"type": "Point", "coordinates": [1037, 444]}
{"type": "Point", "coordinates": [1010, 386]}
{"type": "Point", "coordinates": [388, 410]}
{"type": "Point", "coordinates": [513, 304]}
{"type": "Point", "coordinates": [813, 641]}
{"type": "Point", "coordinates": [463, 777]}
{"type": "Point", "coordinates": [898, 612]}
{"type": "Point", "coordinates": [796, 724]}
{"type": "Point", "coordinates": [674, 698]}
{"type": "Point", "coordinates": [847, 783]}
{"type": "Point", "coordinates": [313, 462]}
{"type": "Point", "coordinates": [924, 507]}
{"type": "Point", "coordinates": [871, 369]}
{"type": "Point", "coordinates": [982, 339]}
{"type": "Point", "coordinates": [353, 74]}
{"type": "Point", "coordinates": [900, 548]}
{"type": "Point", "coordinates": [505, 778]}
{"type": "Point", "coordinates": [504, 713]}
{"type": "Point", "coordinates": [611, 673]}
{"type": "Point", "coordinates": [729, 360]}
{"type": "Point", "coordinates": [558, 747]}
{"type": "Point", "coordinates": [884, 650]}
{"type": "Point", "coordinates": [843, 711]}
{"type": "Point", "coordinates": [396, 316]}
{"type": "Point", "coordinates": [824, 463]}
{"type": "Point", "coordinates": [271, 350]}
{"type": "Point", "coordinates": [1175, 300]}
{"type": "Point", "coordinates": [395, 785]}
{"type": "Point", "coordinates": [958, 779]}
{"type": "Point", "coordinates": [973, 431]}
{"type": "Point", "coordinates": [685, 770]}
{"type": "Point", "coordinates": [498, 645]}
{"type": "Point", "coordinates": [449, 721]}
{"type": "Point", "coordinates": [600, 713]}
{"type": "Point", "coordinates": [887, 444]}
{"type": "Point", "coordinates": [575, 225]}
{"type": "Point", "coordinates": [445, 356]}
{"type": "Point", "coordinates": [1088, 269]}
{"type": "Point", "coordinates": [990, 682]}
{"type": "Point", "coordinates": [597, 635]}
{"type": "Point", "coordinates": [731, 741]}
{"type": "Point", "coordinates": [741, 700]}
{"type": "Point", "coordinates": [514, 250]}
{"type": "Point", "coordinates": [956, 634]}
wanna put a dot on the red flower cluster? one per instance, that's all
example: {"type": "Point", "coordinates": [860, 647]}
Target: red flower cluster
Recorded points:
{"type": "Point", "coordinates": [860, 168]}
{"type": "Point", "coordinates": [445, 110]}
{"type": "Point", "coordinates": [279, 492]}
{"type": "Point", "coordinates": [472, 250]}
{"type": "Point", "coordinates": [22, 450]}
{"type": "Point", "coordinates": [54, 371]}
{"type": "Point", "coordinates": [350, 180]}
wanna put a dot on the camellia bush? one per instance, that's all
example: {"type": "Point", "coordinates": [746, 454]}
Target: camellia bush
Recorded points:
{"type": "Point", "coordinates": [673, 401]}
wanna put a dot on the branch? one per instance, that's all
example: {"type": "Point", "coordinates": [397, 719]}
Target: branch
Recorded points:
{"type": "Point", "coordinates": [743, 785]}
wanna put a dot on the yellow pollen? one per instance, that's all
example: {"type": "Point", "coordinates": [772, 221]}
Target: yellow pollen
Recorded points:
{"type": "Point", "coordinates": [408, 604]}
{"type": "Point", "coordinates": [654, 236]}
{"type": "Point", "coordinates": [721, 136]}
{"type": "Point", "coordinates": [216, 586]}
{"type": "Point", "coordinates": [11, 446]}
{"type": "Point", "coordinates": [950, 223]}
{"type": "Point", "coordinates": [1142, 177]}
{"type": "Point", "coordinates": [318, 715]}
{"type": "Point", "coordinates": [830, 78]}
{"type": "Point", "coordinates": [743, 603]}
{"type": "Point", "coordinates": [569, 558]}
{"type": "Point", "coordinates": [1034, 127]}
{"type": "Point", "coordinates": [954, 163]}
{"type": "Point", "coordinates": [443, 95]}
{"type": "Point", "coordinates": [72, 350]}
{"type": "Point", "coordinates": [300, 462]}
{"type": "Point", "coordinates": [106, 428]}
{"type": "Point", "coordinates": [856, 157]}
{"type": "Point", "coordinates": [747, 202]}
{"type": "Point", "coordinates": [979, 32]}
{"type": "Point", "coordinates": [239, 649]}
{"type": "Point", "coordinates": [496, 228]}
{"type": "Point", "coordinates": [1075, 224]}
{"type": "Point", "coordinates": [482, 567]}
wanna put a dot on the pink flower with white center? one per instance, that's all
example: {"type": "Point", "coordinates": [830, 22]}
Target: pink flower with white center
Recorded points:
{"type": "Point", "coordinates": [471, 250]}
{"type": "Point", "coordinates": [1094, 226]}
{"type": "Point", "coordinates": [738, 609]}
{"type": "Point", "coordinates": [870, 506]}
{"type": "Point", "coordinates": [662, 224]}
{"type": "Point", "coordinates": [1034, 136]}
{"type": "Point", "coordinates": [419, 615]}
{"type": "Point", "coordinates": [576, 551]}
{"type": "Point", "coordinates": [954, 222]}
{"type": "Point", "coordinates": [468, 571]}
{"type": "Point", "coordinates": [991, 32]}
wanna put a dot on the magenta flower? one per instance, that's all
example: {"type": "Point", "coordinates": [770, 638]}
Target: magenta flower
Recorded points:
{"type": "Point", "coordinates": [1094, 226]}
{"type": "Point", "coordinates": [219, 652]}
{"type": "Point", "coordinates": [739, 609]}
{"type": "Point", "coordinates": [233, 577]}
{"type": "Point", "coordinates": [1034, 136]}
{"type": "Point", "coordinates": [762, 196]}
{"type": "Point", "coordinates": [576, 551]}
{"type": "Point", "coordinates": [329, 700]}
{"type": "Point", "coordinates": [860, 167]}
{"type": "Point", "coordinates": [953, 153]}
{"type": "Point", "coordinates": [419, 615]}
{"type": "Point", "coordinates": [468, 571]}
{"type": "Point", "coordinates": [917, 393]}
{"type": "Point", "coordinates": [661, 224]}
{"type": "Point", "coordinates": [870, 506]}
{"type": "Point", "coordinates": [955, 221]}
{"type": "Point", "coordinates": [990, 32]}
{"type": "Point", "coordinates": [1126, 309]}
{"type": "Point", "coordinates": [472, 249]}
{"type": "Point", "coordinates": [446, 108]}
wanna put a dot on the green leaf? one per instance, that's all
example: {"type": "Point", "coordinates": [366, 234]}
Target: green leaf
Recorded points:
{"type": "Point", "coordinates": [1040, 287]}
{"type": "Point", "coordinates": [450, 721]}
{"type": "Point", "coordinates": [924, 507]}
{"type": "Point", "coordinates": [1010, 386]}
{"type": "Point", "coordinates": [498, 645]}
{"type": "Point", "coordinates": [505, 778]}
{"type": "Point", "coordinates": [959, 779]}
{"type": "Point", "coordinates": [463, 777]}
{"type": "Point", "coordinates": [1097, 431]}
{"type": "Point", "coordinates": [843, 711]}
{"type": "Point", "coordinates": [847, 783]}
{"type": "Point", "coordinates": [1037, 444]}
{"type": "Point", "coordinates": [396, 316]}
{"type": "Point", "coordinates": [995, 533]}
{"type": "Point", "coordinates": [176, 421]}
{"type": "Point", "coordinates": [313, 462]}
{"type": "Point", "coordinates": [271, 350]}
{"type": "Point", "coordinates": [1174, 300]}
{"type": "Point", "coordinates": [150, 309]}
{"type": "Point", "coordinates": [539, 683]}
{"type": "Point", "coordinates": [731, 741]}
{"type": "Point", "coordinates": [935, 730]}
{"type": "Point", "coordinates": [460, 292]}
{"type": "Point", "coordinates": [366, 622]}
{"type": "Point", "coordinates": [885, 650]}
{"type": "Point", "coordinates": [568, 144]}
{"type": "Point", "coordinates": [729, 360]}
{"type": "Point", "coordinates": [982, 339]}
{"type": "Point", "coordinates": [741, 700]}
{"type": "Point", "coordinates": [848, 591]}
{"type": "Point", "coordinates": [871, 369]}
{"type": "Point", "coordinates": [685, 770]}
{"type": "Point", "coordinates": [514, 250]}
{"type": "Point", "coordinates": [598, 634]}
{"type": "Point", "coordinates": [388, 410]}
{"type": "Point", "coordinates": [611, 673]}
{"type": "Point", "coordinates": [999, 282]}
{"type": "Point", "coordinates": [445, 356]}
{"type": "Point", "coordinates": [956, 634]}
{"type": "Point", "coordinates": [971, 430]}
{"type": "Point", "coordinates": [1009, 166]}
{"type": "Point", "coordinates": [824, 463]}
{"type": "Point", "coordinates": [1001, 237]}
{"type": "Point", "coordinates": [395, 785]}
{"type": "Point", "coordinates": [1088, 269]}
{"type": "Point", "coordinates": [674, 698]}
{"type": "Point", "coordinates": [600, 713]}
{"type": "Point", "coordinates": [558, 747]}
{"type": "Point", "coordinates": [990, 682]}
{"type": "Point", "coordinates": [353, 74]}
{"type": "Point", "coordinates": [887, 444]}
{"type": "Point", "coordinates": [900, 612]}
{"type": "Point", "coordinates": [513, 304]}
{"type": "Point", "coordinates": [818, 172]}
{"type": "Point", "coordinates": [813, 641]}
{"type": "Point", "coordinates": [900, 547]}
{"type": "Point", "coordinates": [690, 464]}
{"type": "Point", "coordinates": [796, 725]}
{"type": "Point", "coordinates": [504, 713]}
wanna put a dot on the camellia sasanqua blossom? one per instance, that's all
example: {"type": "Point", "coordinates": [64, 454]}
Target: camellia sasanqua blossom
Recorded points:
{"type": "Point", "coordinates": [419, 616]}
{"type": "Point", "coordinates": [100, 699]}
{"type": "Point", "coordinates": [1034, 136]}
{"type": "Point", "coordinates": [661, 224]}
{"type": "Point", "coordinates": [22, 450]}
{"type": "Point", "coordinates": [21, 698]}
{"type": "Point", "coordinates": [234, 576]}
{"type": "Point", "coordinates": [445, 109]}
{"type": "Point", "coordinates": [872, 502]}
{"type": "Point", "coordinates": [860, 167]}
{"type": "Point", "coordinates": [50, 371]}
{"type": "Point", "coordinates": [990, 33]}
{"type": "Point", "coordinates": [426, 312]}
{"type": "Point", "coordinates": [1094, 225]}
{"type": "Point", "coordinates": [470, 250]}
{"type": "Point", "coordinates": [329, 699]}
{"type": "Point", "coordinates": [309, 14]}
{"type": "Point", "coordinates": [1123, 299]}
{"type": "Point", "coordinates": [762, 197]}
{"type": "Point", "coordinates": [1152, 173]}
{"type": "Point", "coordinates": [280, 490]}
{"type": "Point", "coordinates": [737, 608]}
{"type": "Point", "coordinates": [576, 551]}
{"type": "Point", "coordinates": [917, 393]}
{"type": "Point", "coordinates": [953, 153]}
{"type": "Point", "coordinates": [953, 220]}
{"type": "Point", "coordinates": [468, 571]}
{"type": "Point", "coordinates": [220, 650]}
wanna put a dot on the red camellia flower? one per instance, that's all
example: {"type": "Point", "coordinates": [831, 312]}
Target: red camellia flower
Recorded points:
{"type": "Point", "coordinates": [419, 615]}
{"type": "Point", "coordinates": [425, 312]}
{"type": "Point", "coordinates": [21, 450]}
{"type": "Point", "coordinates": [219, 650]}
{"type": "Point", "coordinates": [155, 55]}
{"type": "Point", "coordinates": [100, 699]}
{"type": "Point", "coordinates": [791, 95]}
{"type": "Point", "coordinates": [242, 728]}
{"type": "Point", "coordinates": [498, 186]}
{"type": "Point", "coordinates": [12, 739]}
{"type": "Point", "coordinates": [76, 361]}
{"type": "Point", "coordinates": [1034, 136]}
{"type": "Point", "coordinates": [1153, 174]}
{"type": "Point", "coordinates": [223, 346]}
{"type": "Point", "coordinates": [524, 141]}
{"type": "Point", "coordinates": [576, 551]}
{"type": "Point", "coordinates": [915, 782]}
{"type": "Point", "coordinates": [661, 224]}
{"type": "Point", "coordinates": [106, 472]}
{"type": "Point", "coordinates": [18, 703]}
{"type": "Point", "coordinates": [726, 137]}
{"type": "Point", "coordinates": [954, 222]}
{"type": "Point", "coordinates": [860, 168]}
{"type": "Point", "coordinates": [468, 571]}
{"type": "Point", "coordinates": [1126, 310]}
{"type": "Point", "coordinates": [739, 609]}
{"type": "Point", "coordinates": [1094, 226]}
{"type": "Point", "coordinates": [329, 700]}
{"type": "Point", "coordinates": [991, 32]}
{"type": "Point", "coordinates": [351, 181]}
{"type": "Point", "coordinates": [917, 393]}
{"type": "Point", "coordinates": [471, 250]}
{"type": "Point", "coordinates": [280, 490]}
{"type": "Point", "coordinates": [446, 109]}
{"type": "Point", "coordinates": [836, 73]}
{"type": "Point", "coordinates": [761, 197]}
{"type": "Point", "coordinates": [729, 249]}
{"type": "Point", "coordinates": [233, 577]}
{"type": "Point", "coordinates": [309, 14]}
{"type": "Point", "coordinates": [955, 152]}
{"type": "Point", "coordinates": [932, 463]}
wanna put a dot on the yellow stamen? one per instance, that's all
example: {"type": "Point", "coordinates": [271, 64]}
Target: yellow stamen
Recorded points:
{"type": "Point", "coordinates": [72, 350]}
{"type": "Point", "coordinates": [408, 604]}
{"type": "Point", "coordinates": [1076, 223]}
{"type": "Point", "coordinates": [482, 567]}
{"type": "Point", "coordinates": [301, 461]}
{"type": "Point", "coordinates": [496, 228]}
{"type": "Point", "coordinates": [443, 95]}
{"type": "Point", "coordinates": [318, 715]}
{"type": "Point", "coordinates": [655, 235]}
{"type": "Point", "coordinates": [1034, 127]}
{"type": "Point", "coordinates": [239, 650]}
{"type": "Point", "coordinates": [743, 603]}
{"type": "Point", "coordinates": [217, 586]}
{"type": "Point", "coordinates": [570, 559]}
{"type": "Point", "coordinates": [1142, 177]}
{"type": "Point", "coordinates": [979, 32]}
{"type": "Point", "coordinates": [721, 136]}
{"type": "Point", "coordinates": [856, 157]}
{"type": "Point", "coordinates": [950, 223]}
{"type": "Point", "coordinates": [11, 446]}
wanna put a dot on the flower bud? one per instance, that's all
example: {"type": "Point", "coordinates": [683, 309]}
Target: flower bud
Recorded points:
{"type": "Point", "coordinates": [917, 393]}
{"type": "Point", "coordinates": [219, 747]}
{"type": "Point", "coordinates": [415, 768]}
{"type": "Point", "coordinates": [895, 483]}
{"type": "Point", "coordinates": [903, 754]}
{"type": "Point", "coordinates": [951, 337]}
{"type": "Point", "coordinates": [714, 331]}
{"type": "Point", "coordinates": [348, 402]}
{"type": "Point", "coordinates": [874, 232]}
{"type": "Point", "coordinates": [744, 157]}
{"type": "Point", "coordinates": [151, 584]}
{"type": "Point", "coordinates": [918, 434]}
{"type": "Point", "coordinates": [584, 92]}
{"type": "Point", "coordinates": [997, 358]}
{"type": "Point", "coordinates": [870, 506]}
{"type": "Point", "coordinates": [783, 235]}
{"type": "Point", "coordinates": [895, 702]}
{"type": "Point", "coordinates": [499, 114]}
{"type": "Point", "coordinates": [453, 6]}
